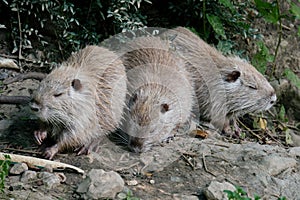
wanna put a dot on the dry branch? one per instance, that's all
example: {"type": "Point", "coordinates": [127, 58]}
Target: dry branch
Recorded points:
{"type": "Point", "coordinates": [8, 63]}
{"type": "Point", "coordinates": [39, 162]}
{"type": "Point", "coordinates": [14, 99]}
{"type": "Point", "coordinates": [21, 77]}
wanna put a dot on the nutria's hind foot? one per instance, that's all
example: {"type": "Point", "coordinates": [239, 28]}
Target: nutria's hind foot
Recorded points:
{"type": "Point", "coordinates": [87, 149]}
{"type": "Point", "coordinates": [40, 136]}
{"type": "Point", "coordinates": [50, 152]}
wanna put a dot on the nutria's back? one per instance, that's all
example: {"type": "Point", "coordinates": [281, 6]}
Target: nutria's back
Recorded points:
{"type": "Point", "coordinates": [83, 99]}
{"type": "Point", "coordinates": [160, 93]}
{"type": "Point", "coordinates": [225, 86]}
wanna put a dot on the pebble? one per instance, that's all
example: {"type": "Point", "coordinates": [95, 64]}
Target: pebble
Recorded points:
{"type": "Point", "coordinates": [100, 184]}
{"type": "Point", "coordinates": [132, 182]}
{"type": "Point", "coordinates": [28, 175]}
{"type": "Point", "coordinates": [18, 168]}
{"type": "Point", "coordinates": [215, 190]}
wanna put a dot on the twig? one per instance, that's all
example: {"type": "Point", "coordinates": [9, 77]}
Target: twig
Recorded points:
{"type": "Point", "coordinates": [189, 162]}
{"type": "Point", "coordinates": [14, 99]}
{"type": "Point", "coordinates": [248, 129]}
{"type": "Point", "coordinates": [8, 63]}
{"type": "Point", "coordinates": [23, 151]}
{"type": "Point", "coordinates": [279, 36]}
{"type": "Point", "coordinates": [21, 77]}
{"type": "Point", "coordinates": [39, 162]}
{"type": "Point", "coordinates": [205, 166]}
{"type": "Point", "coordinates": [20, 34]}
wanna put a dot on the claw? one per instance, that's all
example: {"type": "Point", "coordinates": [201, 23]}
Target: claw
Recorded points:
{"type": "Point", "coordinates": [40, 136]}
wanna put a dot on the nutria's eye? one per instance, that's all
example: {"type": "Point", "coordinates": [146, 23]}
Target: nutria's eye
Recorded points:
{"type": "Point", "coordinates": [58, 94]}
{"type": "Point", "coordinates": [252, 87]}
{"type": "Point", "coordinates": [132, 100]}
{"type": "Point", "coordinates": [164, 107]}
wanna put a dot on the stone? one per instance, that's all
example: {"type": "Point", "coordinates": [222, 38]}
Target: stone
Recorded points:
{"type": "Point", "coordinates": [274, 165]}
{"type": "Point", "coordinates": [18, 168]}
{"type": "Point", "coordinates": [100, 184]}
{"type": "Point", "coordinates": [215, 190]}
{"type": "Point", "coordinates": [184, 197]}
{"type": "Point", "coordinates": [50, 180]}
{"type": "Point", "coordinates": [28, 175]}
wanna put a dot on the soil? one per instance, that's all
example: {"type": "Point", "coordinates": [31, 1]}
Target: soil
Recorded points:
{"type": "Point", "coordinates": [178, 170]}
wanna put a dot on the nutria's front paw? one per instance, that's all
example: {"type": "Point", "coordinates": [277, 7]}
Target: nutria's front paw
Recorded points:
{"type": "Point", "coordinates": [40, 136]}
{"type": "Point", "coordinates": [50, 152]}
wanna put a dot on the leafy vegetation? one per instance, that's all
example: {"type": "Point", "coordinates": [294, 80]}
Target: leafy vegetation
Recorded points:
{"type": "Point", "coordinates": [240, 194]}
{"type": "Point", "coordinates": [4, 167]}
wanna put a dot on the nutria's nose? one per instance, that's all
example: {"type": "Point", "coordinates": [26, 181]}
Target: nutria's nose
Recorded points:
{"type": "Point", "coordinates": [273, 98]}
{"type": "Point", "coordinates": [34, 105]}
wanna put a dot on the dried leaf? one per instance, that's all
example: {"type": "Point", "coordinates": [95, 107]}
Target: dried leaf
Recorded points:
{"type": "Point", "coordinates": [199, 133]}
{"type": "Point", "coordinates": [262, 123]}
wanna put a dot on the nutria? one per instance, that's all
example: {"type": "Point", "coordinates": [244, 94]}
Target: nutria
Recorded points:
{"type": "Point", "coordinates": [81, 101]}
{"type": "Point", "coordinates": [160, 94]}
{"type": "Point", "coordinates": [226, 87]}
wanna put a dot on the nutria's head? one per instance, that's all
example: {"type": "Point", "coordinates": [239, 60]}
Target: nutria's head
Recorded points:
{"type": "Point", "coordinates": [62, 99]}
{"type": "Point", "coordinates": [247, 90]}
{"type": "Point", "coordinates": [153, 111]}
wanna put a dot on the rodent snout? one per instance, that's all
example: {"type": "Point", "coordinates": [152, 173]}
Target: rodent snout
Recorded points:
{"type": "Point", "coordinates": [273, 98]}
{"type": "Point", "coordinates": [34, 106]}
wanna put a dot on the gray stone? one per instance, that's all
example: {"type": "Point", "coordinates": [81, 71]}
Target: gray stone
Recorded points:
{"type": "Point", "coordinates": [100, 184]}
{"type": "Point", "coordinates": [50, 180]}
{"type": "Point", "coordinates": [276, 164]}
{"type": "Point", "coordinates": [184, 197]}
{"type": "Point", "coordinates": [28, 175]}
{"type": "Point", "coordinates": [294, 151]}
{"type": "Point", "coordinates": [215, 190]}
{"type": "Point", "coordinates": [18, 168]}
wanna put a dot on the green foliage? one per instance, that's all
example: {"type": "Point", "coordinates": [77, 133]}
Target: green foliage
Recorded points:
{"type": "Point", "coordinates": [295, 9]}
{"type": "Point", "coordinates": [270, 11]}
{"type": "Point", "coordinates": [240, 194]}
{"type": "Point", "coordinates": [129, 196]}
{"type": "Point", "coordinates": [126, 14]}
{"type": "Point", "coordinates": [282, 114]}
{"type": "Point", "coordinates": [262, 57]}
{"type": "Point", "coordinates": [4, 167]}
{"type": "Point", "coordinates": [291, 76]}
{"type": "Point", "coordinates": [217, 25]}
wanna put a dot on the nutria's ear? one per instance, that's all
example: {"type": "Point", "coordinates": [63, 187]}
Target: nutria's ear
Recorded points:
{"type": "Point", "coordinates": [76, 84]}
{"type": "Point", "coordinates": [232, 76]}
{"type": "Point", "coordinates": [164, 107]}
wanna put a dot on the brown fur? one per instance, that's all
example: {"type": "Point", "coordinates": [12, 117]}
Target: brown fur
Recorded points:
{"type": "Point", "coordinates": [83, 99]}
{"type": "Point", "coordinates": [226, 87]}
{"type": "Point", "coordinates": [160, 94]}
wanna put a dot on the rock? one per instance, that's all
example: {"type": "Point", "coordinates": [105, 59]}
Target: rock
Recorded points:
{"type": "Point", "coordinates": [215, 190]}
{"type": "Point", "coordinates": [276, 164]}
{"type": "Point", "coordinates": [100, 184]}
{"type": "Point", "coordinates": [184, 197]}
{"type": "Point", "coordinates": [18, 168]}
{"type": "Point", "coordinates": [132, 182]}
{"type": "Point", "coordinates": [295, 151]}
{"type": "Point", "coordinates": [49, 180]}
{"type": "Point", "coordinates": [28, 175]}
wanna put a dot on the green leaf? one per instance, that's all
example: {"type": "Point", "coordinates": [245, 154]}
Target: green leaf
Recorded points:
{"type": "Point", "coordinates": [269, 11]}
{"type": "Point", "coordinates": [288, 137]}
{"type": "Point", "coordinates": [291, 76]}
{"type": "Point", "coordinates": [262, 57]}
{"type": "Point", "coordinates": [295, 10]}
{"type": "Point", "coordinates": [216, 24]}
{"type": "Point", "coordinates": [227, 4]}
{"type": "Point", "coordinates": [282, 113]}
